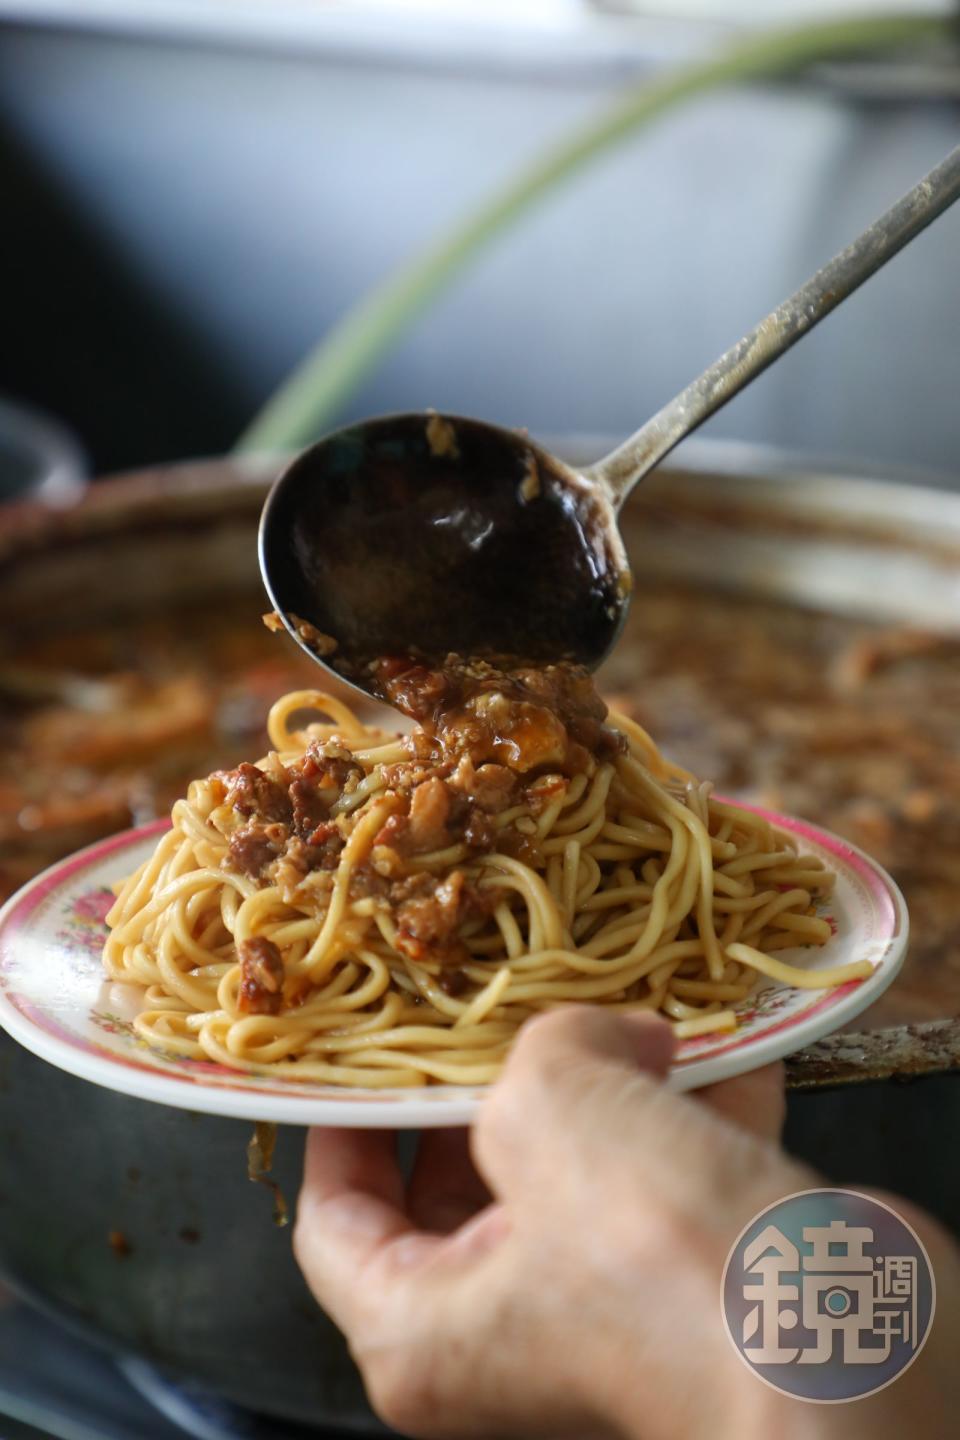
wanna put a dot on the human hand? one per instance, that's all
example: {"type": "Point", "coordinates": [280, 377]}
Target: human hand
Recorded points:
{"type": "Point", "coordinates": [558, 1271]}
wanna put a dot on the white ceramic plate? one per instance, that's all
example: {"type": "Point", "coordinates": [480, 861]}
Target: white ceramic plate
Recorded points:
{"type": "Point", "coordinates": [55, 1000]}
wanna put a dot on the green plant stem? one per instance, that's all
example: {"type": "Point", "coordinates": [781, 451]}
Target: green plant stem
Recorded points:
{"type": "Point", "coordinates": [310, 399]}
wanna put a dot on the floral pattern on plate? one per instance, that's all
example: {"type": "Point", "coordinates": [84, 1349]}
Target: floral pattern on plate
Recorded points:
{"type": "Point", "coordinates": [55, 999]}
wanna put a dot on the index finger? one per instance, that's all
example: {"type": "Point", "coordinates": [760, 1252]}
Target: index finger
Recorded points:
{"type": "Point", "coordinates": [571, 1075]}
{"type": "Point", "coordinates": [755, 1101]}
{"type": "Point", "coordinates": [351, 1208]}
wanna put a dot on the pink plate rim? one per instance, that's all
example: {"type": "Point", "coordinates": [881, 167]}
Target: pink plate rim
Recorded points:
{"type": "Point", "coordinates": [197, 1084]}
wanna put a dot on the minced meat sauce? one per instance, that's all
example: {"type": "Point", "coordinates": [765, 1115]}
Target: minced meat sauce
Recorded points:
{"type": "Point", "coordinates": [524, 718]}
{"type": "Point", "coordinates": [261, 976]}
{"type": "Point", "coordinates": [485, 740]}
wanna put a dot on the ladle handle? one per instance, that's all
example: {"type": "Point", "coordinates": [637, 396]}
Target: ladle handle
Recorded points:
{"type": "Point", "coordinates": [783, 327]}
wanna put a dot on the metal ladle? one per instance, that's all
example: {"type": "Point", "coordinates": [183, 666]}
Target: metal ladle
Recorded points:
{"type": "Point", "coordinates": [434, 533]}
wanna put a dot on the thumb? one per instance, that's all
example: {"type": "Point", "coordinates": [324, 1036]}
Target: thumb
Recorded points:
{"type": "Point", "coordinates": [565, 1073]}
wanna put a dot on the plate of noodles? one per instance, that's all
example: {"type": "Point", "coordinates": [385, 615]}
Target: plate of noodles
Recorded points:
{"type": "Point", "coordinates": [352, 929]}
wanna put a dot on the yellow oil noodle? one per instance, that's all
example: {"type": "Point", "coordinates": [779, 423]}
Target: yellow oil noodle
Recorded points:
{"type": "Point", "coordinates": [652, 895]}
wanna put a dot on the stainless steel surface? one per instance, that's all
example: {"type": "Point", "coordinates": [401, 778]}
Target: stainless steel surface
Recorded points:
{"type": "Point", "coordinates": [762, 523]}
{"type": "Point", "coordinates": [780, 330]}
{"type": "Point", "coordinates": [204, 1284]}
{"type": "Point", "coordinates": [209, 1288]}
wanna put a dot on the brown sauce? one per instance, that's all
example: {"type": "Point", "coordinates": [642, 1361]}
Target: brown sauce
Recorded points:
{"type": "Point", "coordinates": [261, 976]}
{"type": "Point", "coordinates": [525, 718]}
{"type": "Point", "coordinates": [484, 740]}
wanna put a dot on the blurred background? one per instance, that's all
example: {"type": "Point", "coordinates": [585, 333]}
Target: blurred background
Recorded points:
{"type": "Point", "coordinates": [194, 193]}
{"type": "Point", "coordinates": [198, 193]}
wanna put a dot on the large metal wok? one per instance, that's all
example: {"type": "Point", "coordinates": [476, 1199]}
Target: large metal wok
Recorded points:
{"type": "Point", "coordinates": [202, 1282]}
